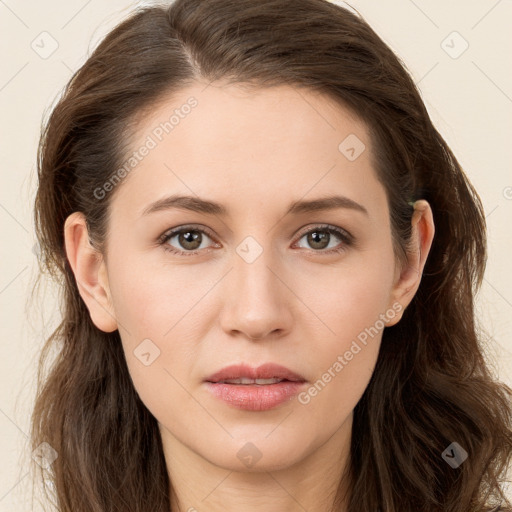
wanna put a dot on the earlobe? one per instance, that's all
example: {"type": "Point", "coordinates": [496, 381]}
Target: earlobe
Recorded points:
{"type": "Point", "coordinates": [409, 278]}
{"type": "Point", "coordinates": [90, 272]}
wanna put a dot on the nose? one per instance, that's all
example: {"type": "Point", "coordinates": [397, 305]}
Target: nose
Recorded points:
{"type": "Point", "coordinates": [257, 302]}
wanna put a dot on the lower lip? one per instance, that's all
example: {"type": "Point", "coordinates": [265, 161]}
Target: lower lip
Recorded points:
{"type": "Point", "coordinates": [255, 397]}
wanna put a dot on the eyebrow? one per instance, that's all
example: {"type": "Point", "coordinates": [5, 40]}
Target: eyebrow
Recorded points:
{"type": "Point", "coordinates": [197, 204]}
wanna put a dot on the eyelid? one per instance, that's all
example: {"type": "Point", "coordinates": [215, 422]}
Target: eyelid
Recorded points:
{"type": "Point", "coordinates": [327, 227]}
{"type": "Point", "coordinates": [184, 227]}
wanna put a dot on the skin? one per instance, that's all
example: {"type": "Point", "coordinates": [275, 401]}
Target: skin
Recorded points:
{"type": "Point", "coordinates": [254, 152]}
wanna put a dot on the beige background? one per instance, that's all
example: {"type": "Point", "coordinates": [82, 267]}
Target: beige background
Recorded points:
{"type": "Point", "coordinates": [468, 94]}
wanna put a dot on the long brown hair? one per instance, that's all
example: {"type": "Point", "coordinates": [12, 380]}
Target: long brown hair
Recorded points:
{"type": "Point", "coordinates": [431, 385]}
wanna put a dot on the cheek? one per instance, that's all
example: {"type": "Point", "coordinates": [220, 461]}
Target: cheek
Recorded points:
{"type": "Point", "coordinates": [157, 309]}
{"type": "Point", "coordinates": [348, 298]}
{"type": "Point", "coordinates": [352, 305]}
{"type": "Point", "coordinates": [152, 298]}
{"type": "Point", "coordinates": [344, 361]}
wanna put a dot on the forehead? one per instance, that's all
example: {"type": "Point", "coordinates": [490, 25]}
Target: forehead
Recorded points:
{"type": "Point", "coordinates": [249, 148]}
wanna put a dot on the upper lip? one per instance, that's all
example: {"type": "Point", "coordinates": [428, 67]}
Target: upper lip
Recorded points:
{"type": "Point", "coordinates": [265, 371]}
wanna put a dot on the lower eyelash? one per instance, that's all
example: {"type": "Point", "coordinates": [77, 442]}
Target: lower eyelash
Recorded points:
{"type": "Point", "coordinates": [345, 237]}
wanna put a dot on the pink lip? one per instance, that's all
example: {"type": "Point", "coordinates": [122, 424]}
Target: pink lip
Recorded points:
{"type": "Point", "coordinates": [265, 371]}
{"type": "Point", "coordinates": [255, 397]}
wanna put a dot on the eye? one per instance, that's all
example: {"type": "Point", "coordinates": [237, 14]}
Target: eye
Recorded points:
{"type": "Point", "coordinates": [191, 239]}
{"type": "Point", "coordinates": [320, 237]}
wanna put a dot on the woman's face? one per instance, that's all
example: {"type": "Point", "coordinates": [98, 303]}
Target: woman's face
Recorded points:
{"type": "Point", "coordinates": [256, 279]}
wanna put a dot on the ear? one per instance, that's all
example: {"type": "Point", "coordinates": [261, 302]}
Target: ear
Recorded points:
{"type": "Point", "coordinates": [407, 280]}
{"type": "Point", "coordinates": [90, 272]}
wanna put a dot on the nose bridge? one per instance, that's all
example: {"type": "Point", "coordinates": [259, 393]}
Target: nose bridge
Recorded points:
{"type": "Point", "coordinates": [252, 269]}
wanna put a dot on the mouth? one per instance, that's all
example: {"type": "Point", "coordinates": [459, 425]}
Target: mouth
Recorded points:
{"type": "Point", "coordinates": [255, 389]}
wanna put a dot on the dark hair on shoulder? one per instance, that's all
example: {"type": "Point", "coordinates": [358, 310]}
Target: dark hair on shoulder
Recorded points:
{"type": "Point", "coordinates": [431, 385]}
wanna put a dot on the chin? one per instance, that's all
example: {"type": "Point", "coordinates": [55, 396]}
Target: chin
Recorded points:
{"type": "Point", "coordinates": [258, 453]}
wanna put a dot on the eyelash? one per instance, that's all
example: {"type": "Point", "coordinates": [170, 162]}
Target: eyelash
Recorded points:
{"type": "Point", "coordinates": [346, 238]}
